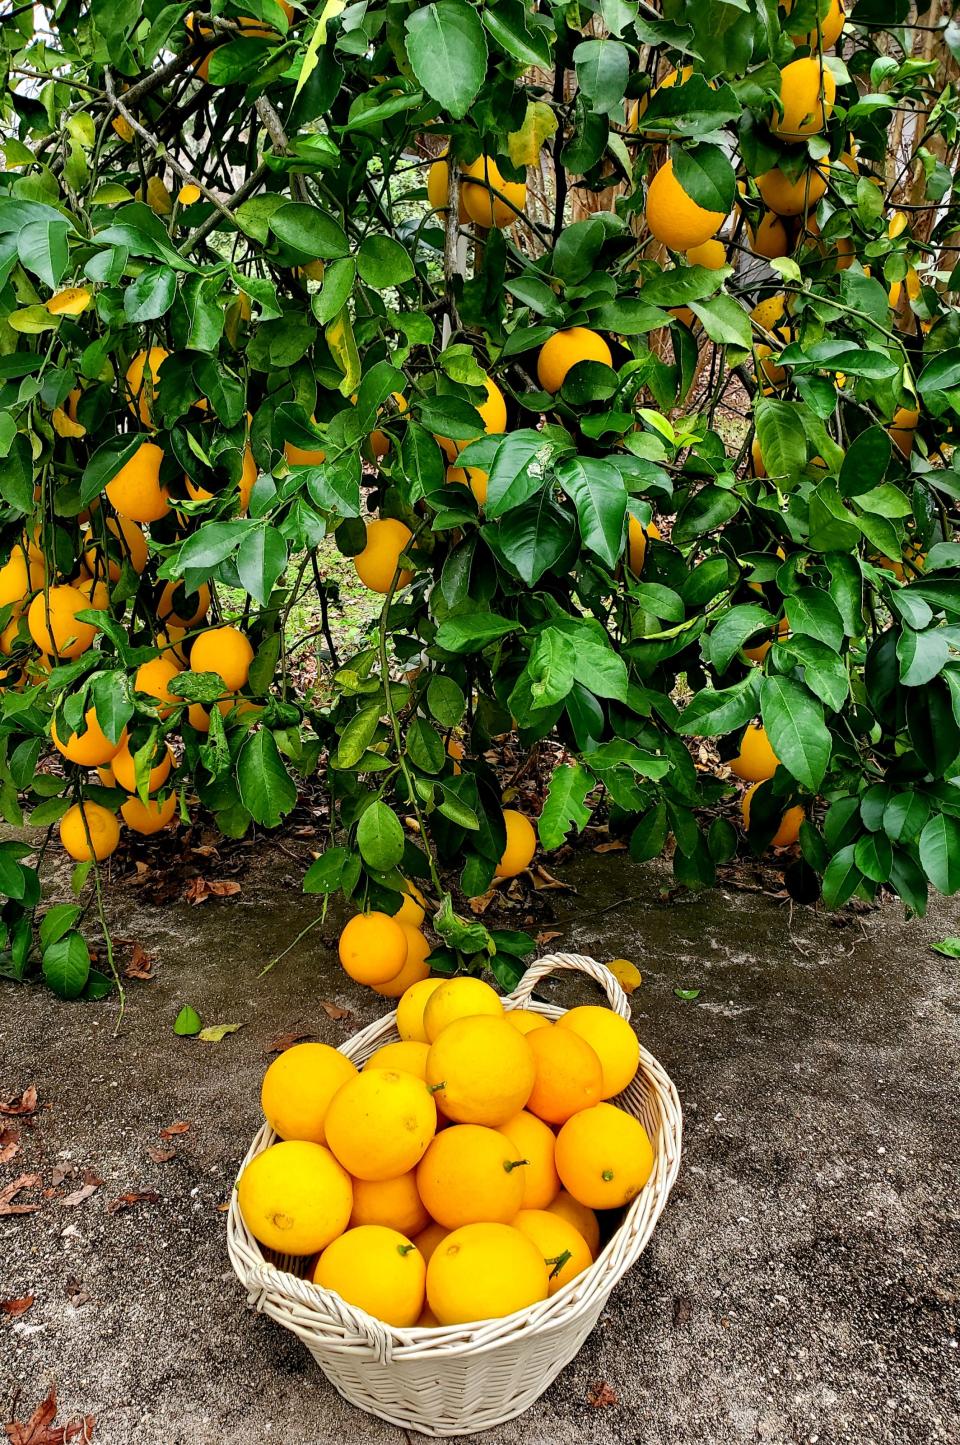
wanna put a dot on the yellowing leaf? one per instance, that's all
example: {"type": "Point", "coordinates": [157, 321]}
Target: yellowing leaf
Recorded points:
{"type": "Point", "coordinates": [15, 154]}
{"type": "Point", "coordinates": [188, 194]}
{"type": "Point", "coordinates": [216, 1032]}
{"type": "Point", "coordinates": [342, 343]}
{"type": "Point", "coordinates": [32, 319]}
{"type": "Point", "coordinates": [64, 427]}
{"type": "Point", "coordinates": [111, 194]}
{"type": "Point", "coordinates": [318, 40]}
{"type": "Point", "coordinates": [123, 128]}
{"type": "Point", "coordinates": [525, 144]}
{"type": "Point", "coordinates": [69, 302]}
{"type": "Point", "coordinates": [159, 198]}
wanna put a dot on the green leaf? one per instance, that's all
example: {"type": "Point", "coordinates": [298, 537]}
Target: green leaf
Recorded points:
{"type": "Point", "coordinates": [447, 50]}
{"type": "Point", "coordinates": [106, 461]}
{"type": "Point", "coordinates": [517, 472]}
{"type": "Point", "coordinates": [793, 718]}
{"type": "Point", "coordinates": [334, 870]}
{"type": "Point", "coordinates": [445, 700]}
{"type": "Point", "coordinates": [603, 67]}
{"type": "Point", "coordinates": [713, 712]}
{"type": "Point", "coordinates": [57, 921]}
{"type": "Point", "coordinates": [151, 295]}
{"type": "Point", "coordinates": [949, 947]}
{"type": "Point", "coordinates": [564, 806]}
{"type": "Point", "coordinates": [66, 965]}
{"type": "Point", "coordinates": [187, 1022]}
{"type": "Point", "coordinates": [865, 464]}
{"type": "Point", "coordinates": [473, 631]}
{"type": "Point", "coordinates": [921, 656]}
{"type": "Point", "coordinates": [705, 511]}
{"type": "Point", "coordinates": [380, 837]}
{"type": "Point", "coordinates": [533, 538]}
{"type": "Point", "coordinates": [266, 789]}
{"type": "Point", "coordinates": [940, 852]}
{"type": "Point", "coordinates": [904, 816]}
{"type": "Point", "coordinates": [507, 23]}
{"type": "Point", "coordinates": [383, 262]}
{"type": "Point", "coordinates": [310, 231]}
{"type": "Point", "coordinates": [705, 173]}
{"type": "Point", "coordinates": [725, 322]}
{"type": "Point", "coordinates": [814, 614]}
{"type": "Point", "coordinates": [260, 561]}
{"type": "Point", "coordinates": [597, 491]}
{"type": "Point", "coordinates": [357, 736]}
{"type": "Point", "coordinates": [338, 279]}
{"type": "Point", "coordinates": [733, 630]}
{"type": "Point", "coordinates": [43, 250]}
{"type": "Point", "coordinates": [780, 436]}
{"type": "Point", "coordinates": [842, 878]}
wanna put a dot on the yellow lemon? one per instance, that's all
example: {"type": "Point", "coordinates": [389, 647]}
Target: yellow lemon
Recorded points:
{"type": "Point", "coordinates": [612, 1040]}
{"type": "Point", "coordinates": [471, 1174]}
{"type": "Point", "coordinates": [604, 1156]}
{"type": "Point", "coordinates": [295, 1197]}
{"type": "Point", "coordinates": [298, 1087]}
{"type": "Point", "coordinates": [484, 1271]}
{"type": "Point", "coordinates": [457, 998]}
{"type": "Point", "coordinates": [380, 1123]}
{"type": "Point", "coordinates": [480, 1070]}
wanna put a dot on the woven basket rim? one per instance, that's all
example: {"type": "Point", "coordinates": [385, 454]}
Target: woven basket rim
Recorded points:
{"type": "Point", "coordinates": [339, 1326]}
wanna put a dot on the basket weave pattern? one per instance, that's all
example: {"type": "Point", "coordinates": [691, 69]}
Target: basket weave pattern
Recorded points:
{"type": "Point", "coordinates": [466, 1378]}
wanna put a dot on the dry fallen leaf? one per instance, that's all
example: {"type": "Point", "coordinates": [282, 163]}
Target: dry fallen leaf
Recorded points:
{"type": "Point", "coordinates": [198, 890]}
{"type": "Point", "coordinates": [20, 1106]}
{"type": "Point", "coordinates": [91, 1183]}
{"type": "Point", "coordinates": [548, 935]}
{"type": "Point", "coordinates": [601, 1396]}
{"type": "Point", "coordinates": [172, 1130]}
{"type": "Point", "coordinates": [15, 1307]}
{"type": "Point", "coordinates": [40, 1429]}
{"type": "Point", "coordinates": [282, 1042]}
{"type": "Point", "coordinates": [140, 965]}
{"type": "Point", "coordinates": [9, 1142]}
{"type": "Point", "coordinates": [482, 903]}
{"type": "Point", "coordinates": [76, 1294]}
{"type": "Point", "coordinates": [161, 1156]}
{"type": "Point", "coordinates": [7, 1195]}
{"type": "Point", "coordinates": [60, 1173]}
{"type": "Point", "coordinates": [542, 879]}
{"type": "Point", "coordinates": [334, 1011]}
{"type": "Point", "coordinates": [127, 1201]}
{"type": "Point", "coordinates": [618, 846]}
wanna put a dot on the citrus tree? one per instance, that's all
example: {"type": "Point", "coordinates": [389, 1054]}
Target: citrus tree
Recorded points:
{"type": "Point", "coordinates": [616, 346]}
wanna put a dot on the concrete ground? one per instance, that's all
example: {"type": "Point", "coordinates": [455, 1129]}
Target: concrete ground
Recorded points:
{"type": "Point", "coordinates": [802, 1284]}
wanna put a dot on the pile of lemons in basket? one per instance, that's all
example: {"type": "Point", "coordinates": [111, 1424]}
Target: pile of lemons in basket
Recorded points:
{"type": "Point", "coordinates": [458, 1175]}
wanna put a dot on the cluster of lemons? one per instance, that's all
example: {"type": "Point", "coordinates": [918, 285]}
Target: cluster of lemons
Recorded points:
{"type": "Point", "coordinates": [458, 1176]}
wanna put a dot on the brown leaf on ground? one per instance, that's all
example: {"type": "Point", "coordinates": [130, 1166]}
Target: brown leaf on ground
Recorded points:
{"type": "Point", "coordinates": [548, 935]}
{"type": "Point", "coordinates": [40, 1429]}
{"type": "Point", "coordinates": [617, 846]}
{"type": "Point", "coordinates": [9, 1194]}
{"type": "Point", "coordinates": [222, 1208]}
{"type": "Point", "coordinates": [76, 1294]}
{"type": "Point", "coordinates": [20, 1106]}
{"type": "Point", "coordinates": [9, 1143]}
{"type": "Point", "coordinates": [601, 1396]}
{"type": "Point", "coordinates": [140, 965]}
{"type": "Point", "coordinates": [128, 1201]}
{"type": "Point", "coordinates": [282, 1042]}
{"type": "Point", "coordinates": [198, 890]}
{"type": "Point", "coordinates": [91, 1183]}
{"type": "Point", "coordinates": [172, 1130]}
{"type": "Point", "coordinates": [60, 1173]}
{"type": "Point", "coordinates": [334, 1011]}
{"type": "Point", "coordinates": [161, 1156]}
{"type": "Point", "coordinates": [14, 1307]}
{"type": "Point", "coordinates": [543, 879]}
{"type": "Point", "coordinates": [482, 903]}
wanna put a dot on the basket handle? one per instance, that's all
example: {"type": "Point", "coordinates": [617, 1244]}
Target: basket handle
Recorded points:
{"type": "Point", "coordinates": [265, 1277]}
{"type": "Point", "coordinates": [569, 963]}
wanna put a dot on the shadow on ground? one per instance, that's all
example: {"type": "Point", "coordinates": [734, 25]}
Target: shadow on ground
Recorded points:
{"type": "Point", "coordinates": [802, 1285]}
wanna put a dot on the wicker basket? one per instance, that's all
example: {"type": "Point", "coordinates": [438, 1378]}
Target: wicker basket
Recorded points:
{"type": "Point", "coordinates": [465, 1378]}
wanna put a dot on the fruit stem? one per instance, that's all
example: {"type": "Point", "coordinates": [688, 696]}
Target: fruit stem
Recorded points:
{"type": "Point", "coordinates": [607, 1176]}
{"type": "Point", "coordinates": [405, 1248]}
{"type": "Point", "coordinates": [558, 1262]}
{"type": "Point", "coordinates": [511, 1164]}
